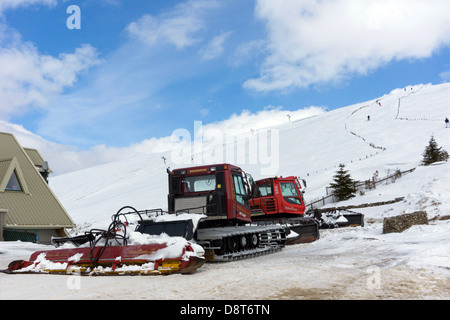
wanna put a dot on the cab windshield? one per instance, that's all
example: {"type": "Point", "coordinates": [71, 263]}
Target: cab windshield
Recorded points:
{"type": "Point", "coordinates": [290, 193]}
{"type": "Point", "coordinates": [198, 183]}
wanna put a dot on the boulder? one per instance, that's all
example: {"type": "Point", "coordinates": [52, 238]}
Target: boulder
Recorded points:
{"type": "Point", "coordinates": [404, 221]}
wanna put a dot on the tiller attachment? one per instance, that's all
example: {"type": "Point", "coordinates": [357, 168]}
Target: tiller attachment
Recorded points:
{"type": "Point", "coordinates": [109, 253]}
{"type": "Point", "coordinates": [111, 260]}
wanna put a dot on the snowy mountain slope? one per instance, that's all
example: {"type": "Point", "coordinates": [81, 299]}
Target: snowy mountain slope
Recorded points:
{"type": "Point", "coordinates": [402, 141]}
{"type": "Point", "coordinates": [311, 148]}
{"type": "Point", "coordinates": [93, 195]}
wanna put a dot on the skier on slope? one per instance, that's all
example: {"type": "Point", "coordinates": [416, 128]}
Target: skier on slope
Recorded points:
{"type": "Point", "coordinates": [447, 123]}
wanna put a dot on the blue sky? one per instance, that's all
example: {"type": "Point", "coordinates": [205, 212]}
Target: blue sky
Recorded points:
{"type": "Point", "coordinates": [139, 69]}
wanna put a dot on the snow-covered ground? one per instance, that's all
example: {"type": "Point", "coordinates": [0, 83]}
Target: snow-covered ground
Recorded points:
{"type": "Point", "coordinates": [350, 263]}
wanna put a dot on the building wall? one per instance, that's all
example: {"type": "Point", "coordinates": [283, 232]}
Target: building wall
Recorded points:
{"type": "Point", "coordinates": [3, 213]}
{"type": "Point", "coordinates": [45, 235]}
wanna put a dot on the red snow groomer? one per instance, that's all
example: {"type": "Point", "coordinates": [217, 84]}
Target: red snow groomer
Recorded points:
{"type": "Point", "coordinates": [108, 252]}
{"type": "Point", "coordinates": [282, 198]}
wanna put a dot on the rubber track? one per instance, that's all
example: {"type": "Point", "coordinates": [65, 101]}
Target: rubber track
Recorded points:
{"type": "Point", "coordinates": [267, 245]}
{"type": "Point", "coordinates": [247, 254]}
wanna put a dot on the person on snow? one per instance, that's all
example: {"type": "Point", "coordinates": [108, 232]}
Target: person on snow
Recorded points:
{"type": "Point", "coordinates": [447, 123]}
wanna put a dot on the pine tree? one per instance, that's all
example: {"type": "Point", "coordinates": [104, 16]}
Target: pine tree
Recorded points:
{"type": "Point", "coordinates": [343, 185]}
{"type": "Point", "coordinates": [433, 153]}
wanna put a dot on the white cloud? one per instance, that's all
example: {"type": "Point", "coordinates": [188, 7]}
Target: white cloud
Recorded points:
{"type": "Point", "coordinates": [66, 158]}
{"type": "Point", "coordinates": [247, 53]}
{"type": "Point", "coordinates": [13, 4]}
{"type": "Point", "coordinates": [30, 78]}
{"type": "Point", "coordinates": [445, 76]}
{"type": "Point", "coordinates": [316, 41]}
{"type": "Point", "coordinates": [112, 2]}
{"type": "Point", "coordinates": [215, 47]}
{"type": "Point", "coordinates": [126, 88]}
{"type": "Point", "coordinates": [204, 112]}
{"type": "Point", "coordinates": [61, 158]}
{"type": "Point", "coordinates": [177, 26]}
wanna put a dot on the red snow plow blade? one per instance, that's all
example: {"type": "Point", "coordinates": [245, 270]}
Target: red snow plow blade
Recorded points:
{"type": "Point", "coordinates": [114, 260]}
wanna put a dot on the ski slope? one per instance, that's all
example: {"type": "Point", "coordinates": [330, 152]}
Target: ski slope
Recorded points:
{"type": "Point", "coordinates": [351, 263]}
